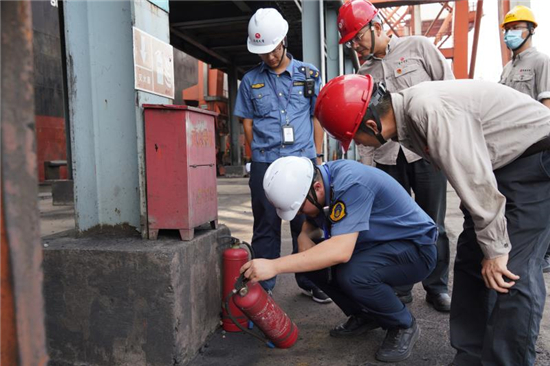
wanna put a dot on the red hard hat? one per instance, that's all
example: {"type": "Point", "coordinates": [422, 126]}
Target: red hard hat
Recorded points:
{"type": "Point", "coordinates": [353, 16]}
{"type": "Point", "coordinates": [341, 105]}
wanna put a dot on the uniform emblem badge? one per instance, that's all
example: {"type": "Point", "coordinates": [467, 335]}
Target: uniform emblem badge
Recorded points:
{"type": "Point", "coordinates": [257, 86]}
{"type": "Point", "coordinates": [337, 212]}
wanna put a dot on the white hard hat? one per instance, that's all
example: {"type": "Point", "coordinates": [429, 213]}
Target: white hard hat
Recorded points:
{"type": "Point", "coordinates": [286, 184]}
{"type": "Point", "coordinates": [266, 29]}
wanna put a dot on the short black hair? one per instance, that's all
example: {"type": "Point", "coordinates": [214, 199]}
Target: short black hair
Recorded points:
{"type": "Point", "coordinates": [383, 106]}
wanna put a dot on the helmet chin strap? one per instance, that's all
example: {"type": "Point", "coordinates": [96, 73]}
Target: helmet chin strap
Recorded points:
{"type": "Point", "coordinates": [284, 54]}
{"type": "Point", "coordinates": [312, 196]}
{"type": "Point", "coordinates": [372, 44]}
{"type": "Point", "coordinates": [375, 99]}
{"type": "Point", "coordinates": [378, 135]}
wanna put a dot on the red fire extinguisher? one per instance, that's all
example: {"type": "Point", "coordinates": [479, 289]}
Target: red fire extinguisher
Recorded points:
{"type": "Point", "coordinates": [233, 259]}
{"type": "Point", "coordinates": [254, 301]}
{"type": "Point", "coordinates": [244, 300]}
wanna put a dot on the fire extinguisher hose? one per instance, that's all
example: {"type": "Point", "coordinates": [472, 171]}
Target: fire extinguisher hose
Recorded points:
{"type": "Point", "coordinates": [228, 309]}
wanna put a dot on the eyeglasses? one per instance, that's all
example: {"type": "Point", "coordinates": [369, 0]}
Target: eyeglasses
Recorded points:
{"type": "Point", "coordinates": [515, 27]}
{"type": "Point", "coordinates": [276, 50]}
{"type": "Point", "coordinates": [355, 39]}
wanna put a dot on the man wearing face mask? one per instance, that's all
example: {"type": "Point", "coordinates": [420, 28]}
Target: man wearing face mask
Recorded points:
{"type": "Point", "coordinates": [276, 100]}
{"type": "Point", "coordinates": [401, 63]}
{"type": "Point", "coordinates": [529, 70]}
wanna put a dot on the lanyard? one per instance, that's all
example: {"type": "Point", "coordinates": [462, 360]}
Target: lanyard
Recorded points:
{"type": "Point", "coordinates": [326, 230]}
{"type": "Point", "coordinates": [272, 86]}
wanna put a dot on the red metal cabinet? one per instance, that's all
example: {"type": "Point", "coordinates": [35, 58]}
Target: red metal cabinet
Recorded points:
{"type": "Point", "coordinates": [180, 157]}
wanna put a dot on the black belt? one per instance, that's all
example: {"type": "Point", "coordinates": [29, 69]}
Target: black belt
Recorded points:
{"type": "Point", "coordinates": [537, 147]}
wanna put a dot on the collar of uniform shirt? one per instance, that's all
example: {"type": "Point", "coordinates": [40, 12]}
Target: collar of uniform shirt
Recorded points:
{"type": "Point", "coordinates": [525, 53]}
{"type": "Point", "coordinates": [393, 41]}
{"type": "Point", "coordinates": [399, 113]}
{"type": "Point", "coordinates": [289, 68]}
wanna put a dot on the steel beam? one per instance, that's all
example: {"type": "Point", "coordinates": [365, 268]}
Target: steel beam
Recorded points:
{"type": "Point", "coordinates": [505, 53]}
{"type": "Point", "coordinates": [242, 6]}
{"type": "Point", "coordinates": [443, 7]}
{"type": "Point", "coordinates": [460, 37]}
{"type": "Point", "coordinates": [209, 23]}
{"type": "Point", "coordinates": [311, 34]}
{"type": "Point", "coordinates": [235, 125]}
{"type": "Point", "coordinates": [479, 13]}
{"type": "Point", "coordinates": [23, 332]}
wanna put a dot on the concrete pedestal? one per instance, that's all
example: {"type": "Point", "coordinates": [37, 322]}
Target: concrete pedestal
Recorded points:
{"type": "Point", "coordinates": [128, 301]}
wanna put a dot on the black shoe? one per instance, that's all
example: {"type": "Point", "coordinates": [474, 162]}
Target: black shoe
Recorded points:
{"type": "Point", "coordinates": [405, 298]}
{"type": "Point", "coordinates": [317, 295]}
{"type": "Point", "coordinates": [546, 264]}
{"type": "Point", "coordinates": [398, 344]}
{"type": "Point", "coordinates": [355, 325]}
{"type": "Point", "coordinates": [441, 302]}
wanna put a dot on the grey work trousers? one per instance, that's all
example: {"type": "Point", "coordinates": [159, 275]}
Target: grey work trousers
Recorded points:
{"type": "Point", "coordinates": [490, 328]}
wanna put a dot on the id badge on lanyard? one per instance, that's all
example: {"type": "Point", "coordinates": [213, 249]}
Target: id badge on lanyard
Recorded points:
{"type": "Point", "coordinates": [287, 131]}
{"type": "Point", "coordinates": [288, 134]}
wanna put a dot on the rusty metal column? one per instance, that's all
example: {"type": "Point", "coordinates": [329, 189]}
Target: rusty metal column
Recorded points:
{"type": "Point", "coordinates": [460, 36]}
{"type": "Point", "coordinates": [479, 14]}
{"type": "Point", "coordinates": [503, 9]}
{"type": "Point", "coordinates": [23, 334]}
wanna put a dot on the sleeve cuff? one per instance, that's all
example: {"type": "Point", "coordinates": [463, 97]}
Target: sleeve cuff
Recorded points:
{"type": "Point", "coordinates": [543, 95]}
{"type": "Point", "coordinates": [496, 250]}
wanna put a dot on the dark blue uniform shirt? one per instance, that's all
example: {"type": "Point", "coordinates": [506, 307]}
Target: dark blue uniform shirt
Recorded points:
{"type": "Point", "coordinates": [367, 200]}
{"type": "Point", "coordinates": [272, 101]}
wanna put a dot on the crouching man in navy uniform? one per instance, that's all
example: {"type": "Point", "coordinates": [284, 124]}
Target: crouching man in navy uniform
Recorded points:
{"type": "Point", "coordinates": [375, 238]}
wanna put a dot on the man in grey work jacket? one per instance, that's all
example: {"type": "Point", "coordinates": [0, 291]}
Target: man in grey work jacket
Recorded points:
{"type": "Point", "coordinates": [402, 63]}
{"type": "Point", "coordinates": [276, 101]}
{"type": "Point", "coordinates": [529, 70]}
{"type": "Point", "coordinates": [493, 144]}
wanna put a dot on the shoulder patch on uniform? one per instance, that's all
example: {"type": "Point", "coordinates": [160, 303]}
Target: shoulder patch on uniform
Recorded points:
{"type": "Point", "coordinates": [299, 83]}
{"type": "Point", "coordinates": [337, 212]}
{"type": "Point", "coordinates": [312, 72]}
{"type": "Point", "coordinates": [257, 86]}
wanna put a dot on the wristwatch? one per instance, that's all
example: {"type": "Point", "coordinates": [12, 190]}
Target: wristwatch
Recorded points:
{"type": "Point", "coordinates": [320, 155]}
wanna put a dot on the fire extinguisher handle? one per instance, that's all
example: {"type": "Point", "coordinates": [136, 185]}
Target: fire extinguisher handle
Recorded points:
{"type": "Point", "coordinates": [252, 255]}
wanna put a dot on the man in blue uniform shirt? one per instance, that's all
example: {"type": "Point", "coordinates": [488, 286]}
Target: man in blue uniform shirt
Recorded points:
{"type": "Point", "coordinates": [276, 100]}
{"type": "Point", "coordinates": [375, 237]}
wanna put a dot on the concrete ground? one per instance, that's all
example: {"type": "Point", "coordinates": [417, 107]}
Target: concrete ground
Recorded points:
{"type": "Point", "coordinates": [315, 346]}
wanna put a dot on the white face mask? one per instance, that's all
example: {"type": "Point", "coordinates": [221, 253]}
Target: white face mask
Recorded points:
{"type": "Point", "coordinates": [513, 38]}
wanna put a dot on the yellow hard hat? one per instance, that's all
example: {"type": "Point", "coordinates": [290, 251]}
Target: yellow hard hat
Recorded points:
{"type": "Point", "coordinates": [519, 13]}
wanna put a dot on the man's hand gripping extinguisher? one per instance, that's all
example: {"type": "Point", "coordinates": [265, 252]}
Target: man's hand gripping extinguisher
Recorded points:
{"type": "Point", "coordinates": [253, 301]}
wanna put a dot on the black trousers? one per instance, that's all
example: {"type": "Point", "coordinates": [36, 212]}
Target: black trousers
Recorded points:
{"type": "Point", "coordinates": [490, 328]}
{"type": "Point", "coordinates": [364, 284]}
{"type": "Point", "coordinates": [266, 237]}
{"type": "Point", "coordinates": [430, 193]}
